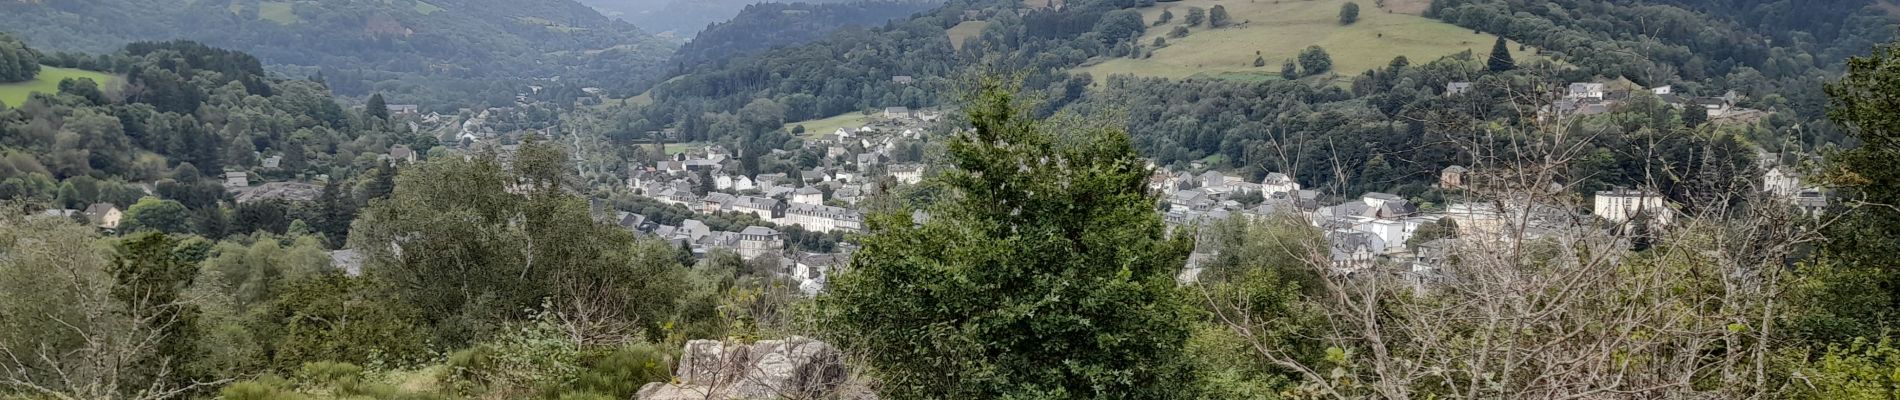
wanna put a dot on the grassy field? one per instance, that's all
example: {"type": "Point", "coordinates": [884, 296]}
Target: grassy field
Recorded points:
{"type": "Point", "coordinates": [1278, 30]}
{"type": "Point", "coordinates": [277, 11]}
{"type": "Point", "coordinates": [964, 31]}
{"type": "Point", "coordinates": [48, 82]}
{"type": "Point", "coordinates": [676, 148]}
{"type": "Point", "coordinates": [819, 128]}
{"type": "Point", "coordinates": [425, 8]}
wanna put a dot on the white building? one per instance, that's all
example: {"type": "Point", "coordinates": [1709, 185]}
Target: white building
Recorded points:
{"type": "Point", "coordinates": [1622, 205]}
{"type": "Point", "coordinates": [908, 174]}
{"type": "Point", "coordinates": [1585, 90]}
{"type": "Point", "coordinates": [1781, 183]}
{"type": "Point", "coordinates": [817, 218]}
{"type": "Point", "coordinates": [1277, 183]}
{"type": "Point", "coordinates": [808, 195]}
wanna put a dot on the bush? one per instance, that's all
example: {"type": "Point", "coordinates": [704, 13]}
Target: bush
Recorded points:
{"type": "Point", "coordinates": [621, 372]}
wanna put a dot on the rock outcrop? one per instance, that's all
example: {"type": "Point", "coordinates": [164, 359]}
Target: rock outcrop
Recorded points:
{"type": "Point", "coordinates": [794, 368]}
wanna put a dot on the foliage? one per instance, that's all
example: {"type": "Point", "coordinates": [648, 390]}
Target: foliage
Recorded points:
{"type": "Point", "coordinates": [1348, 13]}
{"type": "Point", "coordinates": [17, 62]}
{"type": "Point", "coordinates": [152, 214]}
{"type": "Point", "coordinates": [1500, 60]}
{"type": "Point", "coordinates": [1315, 61]}
{"type": "Point", "coordinates": [1855, 277]}
{"type": "Point", "coordinates": [1196, 16]}
{"type": "Point", "coordinates": [1859, 370]}
{"type": "Point", "coordinates": [764, 26]}
{"type": "Point", "coordinates": [336, 318]}
{"type": "Point", "coordinates": [1217, 17]}
{"type": "Point", "coordinates": [470, 251]}
{"type": "Point", "coordinates": [1046, 275]}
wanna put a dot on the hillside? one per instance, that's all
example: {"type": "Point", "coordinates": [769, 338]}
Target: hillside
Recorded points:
{"type": "Point", "coordinates": [680, 19]}
{"type": "Point", "coordinates": [1277, 31]}
{"type": "Point", "coordinates": [16, 93]}
{"type": "Point", "coordinates": [765, 26]}
{"type": "Point", "coordinates": [359, 44]}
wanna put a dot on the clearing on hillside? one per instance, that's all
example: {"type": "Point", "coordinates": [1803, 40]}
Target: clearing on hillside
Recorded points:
{"type": "Point", "coordinates": [964, 31]}
{"type": "Point", "coordinates": [1278, 30]}
{"type": "Point", "coordinates": [822, 128]}
{"type": "Point", "coordinates": [280, 12]}
{"type": "Point", "coordinates": [48, 82]}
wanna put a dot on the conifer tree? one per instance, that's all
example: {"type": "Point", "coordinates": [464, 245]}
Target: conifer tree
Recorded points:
{"type": "Point", "coordinates": [1044, 273]}
{"type": "Point", "coordinates": [1501, 57]}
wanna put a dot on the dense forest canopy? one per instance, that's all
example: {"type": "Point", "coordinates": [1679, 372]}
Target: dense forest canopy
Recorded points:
{"type": "Point", "coordinates": [683, 19]}
{"type": "Point", "coordinates": [764, 26]}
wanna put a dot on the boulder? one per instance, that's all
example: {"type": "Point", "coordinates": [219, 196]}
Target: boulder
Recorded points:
{"type": "Point", "coordinates": [794, 368]}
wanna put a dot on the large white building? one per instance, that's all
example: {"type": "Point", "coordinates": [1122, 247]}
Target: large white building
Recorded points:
{"type": "Point", "coordinates": [818, 218]}
{"type": "Point", "coordinates": [1781, 183]}
{"type": "Point", "coordinates": [1622, 205]}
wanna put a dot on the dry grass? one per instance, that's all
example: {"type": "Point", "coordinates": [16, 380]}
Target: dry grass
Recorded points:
{"type": "Point", "coordinates": [1278, 30]}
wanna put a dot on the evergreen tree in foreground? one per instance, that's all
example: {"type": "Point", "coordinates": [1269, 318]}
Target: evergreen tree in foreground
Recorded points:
{"type": "Point", "coordinates": [377, 107]}
{"type": "Point", "coordinates": [1044, 273]}
{"type": "Point", "coordinates": [1501, 57]}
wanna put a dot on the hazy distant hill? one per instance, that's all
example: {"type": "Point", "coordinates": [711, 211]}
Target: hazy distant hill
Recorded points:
{"type": "Point", "coordinates": [765, 26]}
{"type": "Point", "coordinates": [357, 43]}
{"type": "Point", "coordinates": [682, 18]}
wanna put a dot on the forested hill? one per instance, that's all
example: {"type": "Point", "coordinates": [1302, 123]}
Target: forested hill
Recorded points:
{"type": "Point", "coordinates": [768, 25]}
{"type": "Point", "coordinates": [680, 18]}
{"type": "Point", "coordinates": [357, 44]}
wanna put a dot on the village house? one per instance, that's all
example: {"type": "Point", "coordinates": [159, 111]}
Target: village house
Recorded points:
{"type": "Point", "coordinates": [764, 207]}
{"type": "Point", "coordinates": [1277, 183]}
{"type": "Point", "coordinates": [401, 154]}
{"type": "Point", "coordinates": [1191, 199]}
{"type": "Point", "coordinates": [1780, 182]}
{"type": "Point", "coordinates": [401, 109]}
{"type": "Point", "coordinates": [908, 174]}
{"type": "Point", "coordinates": [897, 113]}
{"type": "Point", "coordinates": [813, 270]}
{"type": "Point", "coordinates": [1352, 252]}
{"type": "Point", "coordinates": [1457, 88]}
{"type": "Point", "coordinates": [104, 215]}
{"type": "Point", "coordinates": [1586, 90]}
{"type": "Point", "coordinates": [808, 195]}
{"type": "Point", "coordinates": [903, 79]}
{"type": "Point", "coordinates": [716, 201]}
{"type": "Point", "coordinates": [234, 180]}
{"type": "Point", "coordinates": [756, 241]}
{"type": "Point", "coordinates": [1452, 177]}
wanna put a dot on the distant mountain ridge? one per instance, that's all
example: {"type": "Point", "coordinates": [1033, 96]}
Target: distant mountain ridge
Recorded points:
{"type": "Point", "coordinates": [367, 40]}
{"type": "Point", "coordinates": [680, 18]}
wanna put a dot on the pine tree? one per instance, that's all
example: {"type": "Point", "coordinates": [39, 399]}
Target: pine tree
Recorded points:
{"type": "Point", "coordinates": [1501, 57]}
{"type": "Point", "coordinates": [377, 107]}
{"type": "Point", "coordinates": [1047, 275]}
